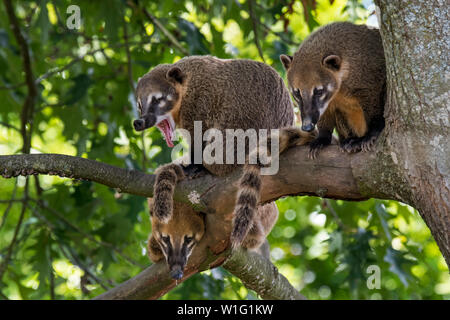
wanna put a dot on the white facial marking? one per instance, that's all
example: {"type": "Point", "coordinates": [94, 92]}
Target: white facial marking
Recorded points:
{"type": "Point", "coordinates": [169, 97]}
{"type": "Point", "coordinates": [324, 108]}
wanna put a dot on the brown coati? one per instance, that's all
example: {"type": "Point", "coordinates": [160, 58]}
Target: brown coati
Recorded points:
{"type": "Point", "coordinates": [338, 79]}
{"type": "Point", "coordinates": [222, 94]}
{"type": "Point", "coordinates": [176, 239]}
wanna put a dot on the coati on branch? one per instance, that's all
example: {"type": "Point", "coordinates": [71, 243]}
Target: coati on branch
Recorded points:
{"type": "Point", "coordinates": [176, 239]}
{"type": "Point", "coordinates": [222, 94]}
{"type": "Point", "coordinates": [338, 79]}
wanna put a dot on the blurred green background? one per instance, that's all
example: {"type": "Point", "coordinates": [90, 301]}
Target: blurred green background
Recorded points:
{"type": "Point", "coordinates": [74, 240]}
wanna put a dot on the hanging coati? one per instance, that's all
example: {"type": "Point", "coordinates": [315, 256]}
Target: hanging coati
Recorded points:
{"type": "Point", "coordinates": [338, 79]}
{"type": "Point", "coordinates": [176, 239]}
{"type": "Point", "coordinates": [222, 94]}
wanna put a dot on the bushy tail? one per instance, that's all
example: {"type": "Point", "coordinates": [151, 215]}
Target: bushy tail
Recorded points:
{"type": "Point", "coordinates": [167, 177]}
{"type": "Point", "coordinates": [250, 182]}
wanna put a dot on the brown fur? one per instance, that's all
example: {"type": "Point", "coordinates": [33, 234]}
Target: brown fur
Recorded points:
{"type": "Point", "coordinates": [347, 62]}
{"type": "Point", "coordinates": [223, 94]}
{"type": "Point", "coordinates": [187, 222]}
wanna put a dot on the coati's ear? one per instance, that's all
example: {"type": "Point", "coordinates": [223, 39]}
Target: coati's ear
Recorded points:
{"type": "Point", "coordinates": [286, 60]}
{"type": "Point", "coordinates": [175, 75]}
{"type": "Point", "coordinates": [332, 62]}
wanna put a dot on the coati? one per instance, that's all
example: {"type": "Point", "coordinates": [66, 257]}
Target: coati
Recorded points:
{"type": "Point", "coordinates": [176, 239]}
{"type": "Point", "coordinates": [338, 79]}
{"type": "Point", "coordinates": [222, 94]}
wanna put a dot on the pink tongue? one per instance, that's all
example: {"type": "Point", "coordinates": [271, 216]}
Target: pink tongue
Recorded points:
{"type": "Point", "coordinates": [164, 126]}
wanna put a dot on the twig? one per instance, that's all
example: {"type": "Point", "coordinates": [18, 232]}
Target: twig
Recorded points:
{"type": "Point", "coordinates": [9, 253]}
{"type": "Point", "coordinates": [28, 107]}
{"type": "Point", "coordinates": [255, 29]}
{"type": "Point", "coordinates": [8, 208]}
{"type": "Point", "coordinates": [336, 216]}
{"type": "Point", "coordinates": [87, 235]}
{"type": "Point", "coordinates": [161, 27]}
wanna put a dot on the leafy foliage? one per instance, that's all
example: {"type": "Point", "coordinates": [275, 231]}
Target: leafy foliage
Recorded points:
{"type": "Point", "coordinates": [73, 240]}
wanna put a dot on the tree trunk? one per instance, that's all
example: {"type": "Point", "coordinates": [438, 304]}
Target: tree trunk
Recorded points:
{"type": "Point", "coordinates": [416, 146]}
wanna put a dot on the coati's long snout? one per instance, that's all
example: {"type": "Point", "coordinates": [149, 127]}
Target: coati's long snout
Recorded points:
{"type": "Point", "coordinates": [149, 120]}
{"type": "Point", "coordinates": [177, 261]}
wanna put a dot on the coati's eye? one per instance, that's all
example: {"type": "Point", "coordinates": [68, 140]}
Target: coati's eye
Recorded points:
{"type": "Point", "coordinates": [188, 240]}
{"type": "Point", "coordinates": [297, 96]}
{"type": "Point", "coordinates": [166, 239]}
{"type": "Point", "coordinates": [318, 92]}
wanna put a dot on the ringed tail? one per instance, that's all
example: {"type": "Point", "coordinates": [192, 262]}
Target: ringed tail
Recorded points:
{"type": "Point", "coordinates": [249, 188]}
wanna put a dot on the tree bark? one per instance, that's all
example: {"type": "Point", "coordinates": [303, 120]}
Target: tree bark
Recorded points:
{"type": "Point", "coordinates": [416, 138]}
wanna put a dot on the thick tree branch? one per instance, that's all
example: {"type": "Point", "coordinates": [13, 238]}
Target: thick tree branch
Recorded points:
{"type": "Point", "coordinates": [332, 175]}
{"type": "Point", "coordinates": [259, 274]}
{"type": "Point", "coordinates": [256, 272]}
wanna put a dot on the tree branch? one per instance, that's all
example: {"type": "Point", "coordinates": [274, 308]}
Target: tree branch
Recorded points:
{"type": "Point", "coordinates": [333, 175]}
{"type": "Point", "coordinates": [259, 274]}
{"type": "Point", "coordinates": [256, 272]}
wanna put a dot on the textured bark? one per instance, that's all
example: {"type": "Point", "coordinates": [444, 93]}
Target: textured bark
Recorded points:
{"type": "Point", "coordinates": [417, 133]}
{"type": "Point", "coordinates": [248, 266]}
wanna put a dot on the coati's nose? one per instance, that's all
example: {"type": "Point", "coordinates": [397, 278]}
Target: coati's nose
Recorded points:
{"type": "Point", "coordinates": [139, 124]}
{"type": "Point", "coordinates": [308, 127]}
{"type": "Point", "coordinates": [176, 273]}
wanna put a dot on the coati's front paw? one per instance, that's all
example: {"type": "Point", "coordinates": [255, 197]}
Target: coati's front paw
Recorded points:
{"type": "Point", "coordinates": [166, 180]}
{"type": "Point", "coordinates": [316, 146]}
{"type": "Point", "coordinates": [353, 145]}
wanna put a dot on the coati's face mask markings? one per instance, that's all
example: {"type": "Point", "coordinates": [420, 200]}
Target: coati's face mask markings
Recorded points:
{"type": "Point", "coordinates": [158, 96]}
{"type": "Point", "coordinates": [178, 238]}
{"type": "Point", "coordinates": [177, 249]}
{"type": "Point", "coordinates": [313, 87]}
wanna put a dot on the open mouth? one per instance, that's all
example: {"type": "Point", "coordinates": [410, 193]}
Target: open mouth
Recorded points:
{"type": "Point", "coordinates": [167, 127]}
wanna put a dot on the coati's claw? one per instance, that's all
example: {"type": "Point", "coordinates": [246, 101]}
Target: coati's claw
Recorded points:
{"type": "Point", "coordinates": [358, 144]}
{"type": "Point", "coordinates": [316, 146]}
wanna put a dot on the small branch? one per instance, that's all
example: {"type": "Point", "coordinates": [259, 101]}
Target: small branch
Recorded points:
{"type": "Point", "coordinates": [7, 258]}
{"type": "Point", "coordinates": [259, 274]}
{"type": "Point", "coordinates": [86, 235]}
{"type": "Point", "coordinates": [255, 29]}
{"type": "Point", "coordinates": [161, 27]}
{"type": "Point", "coordinates": [29, 104]}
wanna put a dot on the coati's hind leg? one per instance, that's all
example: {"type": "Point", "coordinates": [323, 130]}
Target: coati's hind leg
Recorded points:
{"type": "Point", "coordinates": [167, 178]}
{"type": "Point", "coordinates": [365, 143]}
